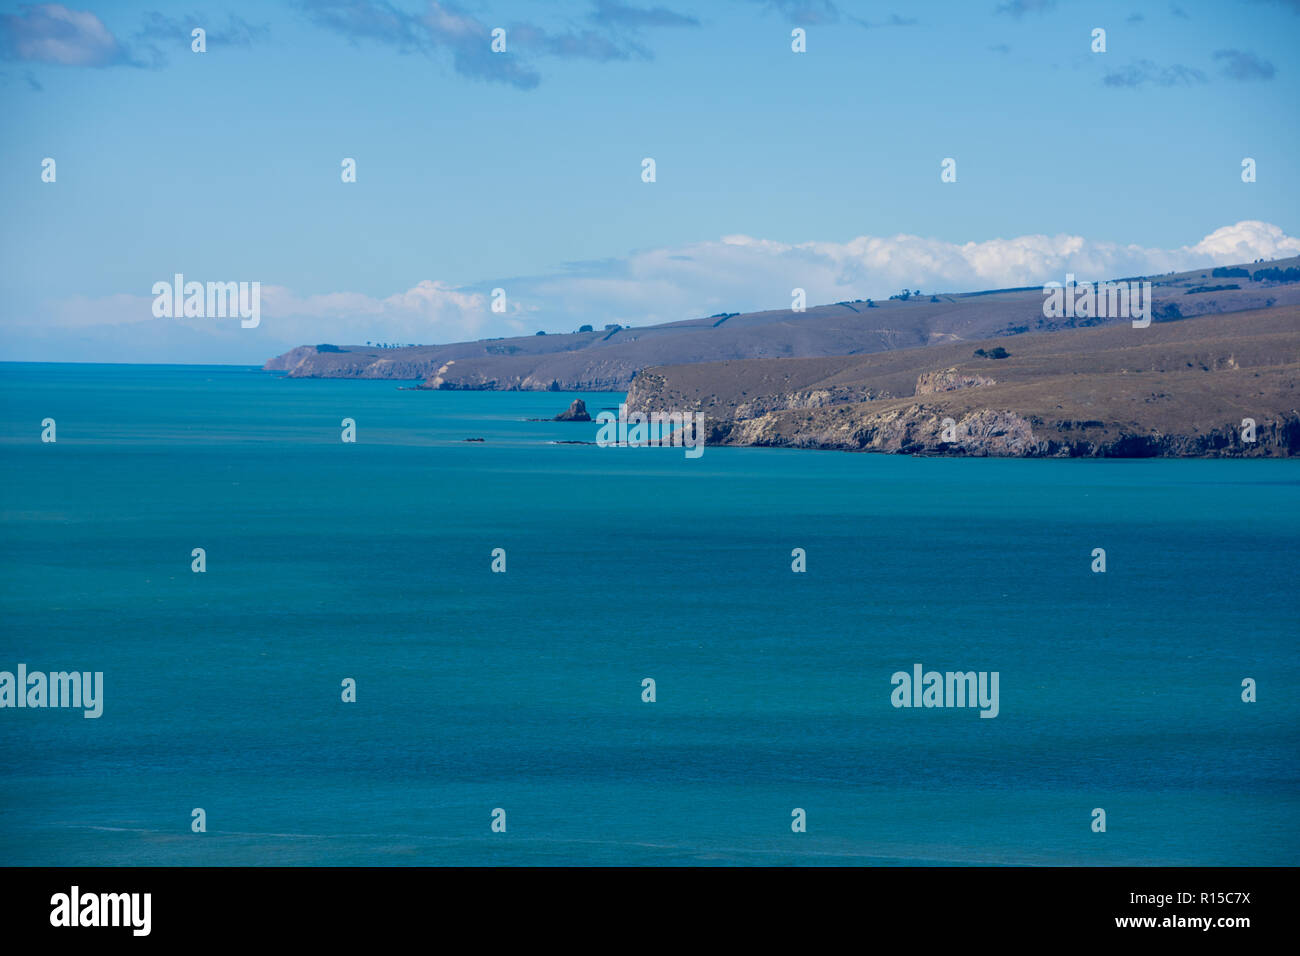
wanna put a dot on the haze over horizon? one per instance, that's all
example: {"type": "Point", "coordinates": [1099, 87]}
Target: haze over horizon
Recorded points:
{"type": "Point", "coordinates": [818, 170]}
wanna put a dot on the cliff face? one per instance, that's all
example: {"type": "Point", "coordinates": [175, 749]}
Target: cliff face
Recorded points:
{"type": "Point", "coordinates": [921, 430]}
{"type": "Point", "coordinates": [949, 380]}
{"type": "Point", "coordinates": [909, 429]}
{"type": "Point", "coordinates": [1186, 389]}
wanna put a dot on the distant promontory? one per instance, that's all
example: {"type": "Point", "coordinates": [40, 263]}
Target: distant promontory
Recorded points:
{"type": "Point", "coordinates": [1215, 372]}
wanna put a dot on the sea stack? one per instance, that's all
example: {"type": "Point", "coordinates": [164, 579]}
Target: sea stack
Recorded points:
{"type": "Point", "coordinates": [577, 412]}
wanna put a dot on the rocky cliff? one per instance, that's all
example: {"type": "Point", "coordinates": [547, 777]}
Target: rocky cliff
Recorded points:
{"type": "Point", "coordinates": [1183, 389]}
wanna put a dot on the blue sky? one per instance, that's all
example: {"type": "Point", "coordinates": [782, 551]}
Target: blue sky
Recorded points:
{"type": "Point", "coordinates": [522, 170]}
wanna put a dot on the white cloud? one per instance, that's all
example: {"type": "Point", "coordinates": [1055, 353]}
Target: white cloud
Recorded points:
{"type": "Point", "coordinates": [1245, 242]}
{"type": "Point", "coordinates": [430, 311]}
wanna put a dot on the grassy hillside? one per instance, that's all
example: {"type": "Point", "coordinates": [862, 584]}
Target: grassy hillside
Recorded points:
{"type": "Point", "coordinates": [610, 359]}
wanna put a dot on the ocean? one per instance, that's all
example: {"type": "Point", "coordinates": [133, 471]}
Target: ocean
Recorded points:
{"type": "Point", "coordinates": [522, 691]}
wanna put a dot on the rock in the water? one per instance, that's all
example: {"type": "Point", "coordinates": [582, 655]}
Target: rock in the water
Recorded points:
{"type": "Point", "coordinates": [577, 412]}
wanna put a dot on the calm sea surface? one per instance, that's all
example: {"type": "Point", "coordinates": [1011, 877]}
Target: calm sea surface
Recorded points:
{"type": "Point", "coordinates": [522, 690]}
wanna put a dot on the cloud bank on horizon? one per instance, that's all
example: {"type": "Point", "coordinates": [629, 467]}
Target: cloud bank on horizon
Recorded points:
{"type": "Point", "coordinates": [732, 274]}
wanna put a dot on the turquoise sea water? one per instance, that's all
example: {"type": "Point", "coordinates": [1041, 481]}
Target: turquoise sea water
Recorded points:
{"type": "Point", "coordinates": [522, 690]}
